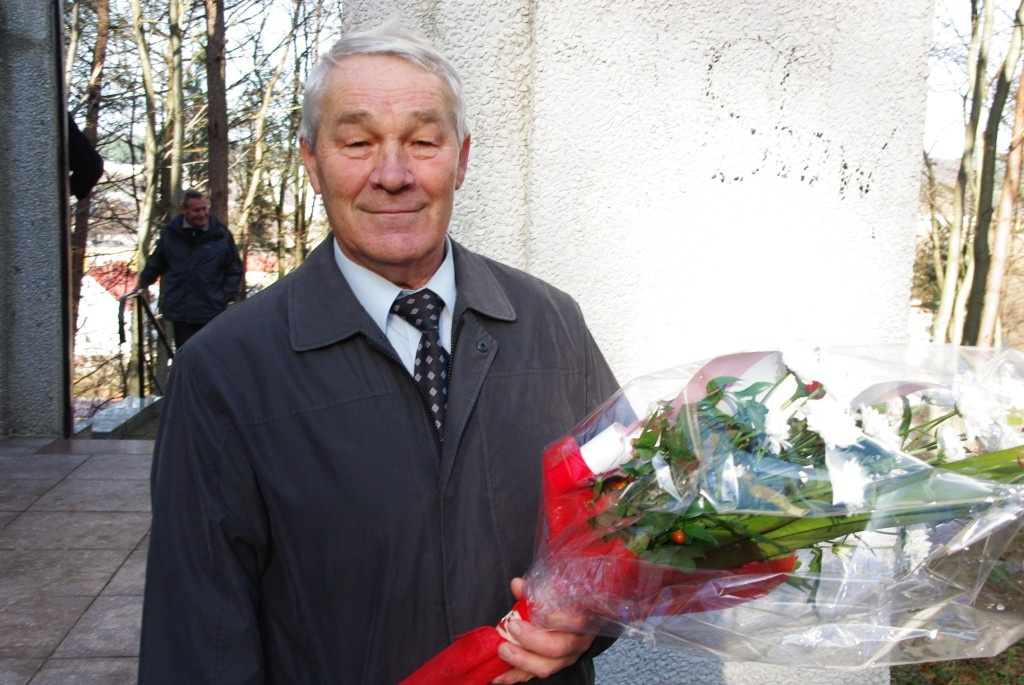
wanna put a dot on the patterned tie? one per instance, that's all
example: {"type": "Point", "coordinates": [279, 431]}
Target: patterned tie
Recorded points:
{"type": "Point", "coordinates": [422, 309]}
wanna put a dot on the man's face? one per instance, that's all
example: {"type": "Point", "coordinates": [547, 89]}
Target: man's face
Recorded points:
{"type": "Point", "coordinates": [387, 162]}
{"type": "Point", "coordinates": [196, 210]}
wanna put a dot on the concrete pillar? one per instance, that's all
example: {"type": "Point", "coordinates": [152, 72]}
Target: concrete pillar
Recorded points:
{"type": "Point", "coordinates": [34, 320]}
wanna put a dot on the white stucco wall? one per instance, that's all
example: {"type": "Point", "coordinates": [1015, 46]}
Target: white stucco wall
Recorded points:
{"type": "Point", "coordinates": [708, 176]}
{"type": "Point", "coordinates": [703, 176]}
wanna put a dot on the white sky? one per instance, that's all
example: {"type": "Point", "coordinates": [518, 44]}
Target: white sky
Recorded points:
{"type": "Point", "coordinates": [944, 125]}
{"type": "Point", "coordinates": [944, 122]}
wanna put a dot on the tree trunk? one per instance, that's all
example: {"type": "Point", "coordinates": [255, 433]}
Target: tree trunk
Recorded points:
{"type": "Point", "coordinates": [303, 218]}
{"type": "Point", "coordinates": [987, 328]}
{"type": "Point", "coordinates": [291, 178]}
{"type": "Point", "coordinates": [151, 164]}
{"type": "Point", "coordinates": [175, 105]}
{"type": "Point", "coordinates": [960, 304]}
{"type": "Point", "coordinates": [977, 63]}
{"type": "Point", "coordinates": [74, 35]}
{"type": "Point", "coordinates": [151, 161]}
{"type": "Point", "coordinates": [934, 225]}
{"type": "Point", "coordinates": [986, 187]}
{"type": "Point", "coordinates": [303, 207]}
{"type": "Point", "coordinates": [259, 138]}
{"type": "Point", "coordinates": [80, 230]}
{"type": "Point", "coordinates": [217, 110]}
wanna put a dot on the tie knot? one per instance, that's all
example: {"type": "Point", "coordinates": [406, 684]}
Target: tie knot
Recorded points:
{"type": "Point", "coordinates": [422, 309]}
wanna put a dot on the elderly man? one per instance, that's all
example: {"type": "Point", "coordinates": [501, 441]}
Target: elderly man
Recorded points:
{"type": "Point", "coordinates": [339, 493]}
{"type": "Point", "coordinates": [198, 265]}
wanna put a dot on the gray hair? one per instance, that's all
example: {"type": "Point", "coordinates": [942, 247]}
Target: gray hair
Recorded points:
{"type": "Point", "coordinates": [384, 40]}
{"type": "Point", "coordinates": [191, 194]}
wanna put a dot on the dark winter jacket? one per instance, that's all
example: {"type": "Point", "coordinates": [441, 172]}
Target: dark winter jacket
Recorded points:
{"type": "Point", "coordinates": [308, 527]}
{"type": "Point", "coordinates": [84, 163]}
{"type": "Point", "coordinates": [200, 271]}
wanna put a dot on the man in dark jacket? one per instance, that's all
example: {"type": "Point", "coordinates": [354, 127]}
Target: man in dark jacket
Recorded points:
{"type": "Point", "coordinates": [319, 516]}
{"type": "Point", "coordinates": [198, 265]}
{"type": "Point", "coordinates": [85, 166]}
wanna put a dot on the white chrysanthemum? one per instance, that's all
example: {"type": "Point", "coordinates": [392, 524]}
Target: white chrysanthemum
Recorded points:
{"type": "Point", "coordinates": [979, 410]}
{"type": "Point", "coordinates": [986, 411]}
{"type": "Point", "coordinates": [894, 411]}
{"type": "Point", "coordinates": [1001, 437]}
{"type": "Point", "coordinates": [950, 445]}
{"type": "Point", "coordinates": [1012, 390]}
{"type": "Point", "coordinates": [776, 423]}
{"type": "Point", "coordinates": [776, 426]}
{"type": "Point", "coordinates": [917, 546]}
{"type": "Point", "coordinates": [848, 478]}
{"type": "Point", "coordinates": [877, 425]}
{"type": "Point", "coordinates": [832, 421]}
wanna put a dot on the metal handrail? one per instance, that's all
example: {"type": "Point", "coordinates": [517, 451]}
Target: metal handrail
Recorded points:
{"type": "Point", "coordinates": [141, 315]}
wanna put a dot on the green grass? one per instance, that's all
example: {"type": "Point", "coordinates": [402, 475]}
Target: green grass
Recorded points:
{"type": "Point", "coordinates": [1004, 669]}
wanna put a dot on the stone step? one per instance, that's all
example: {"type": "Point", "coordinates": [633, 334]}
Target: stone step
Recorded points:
{"type": "Point", "coordinates": [121, 419]}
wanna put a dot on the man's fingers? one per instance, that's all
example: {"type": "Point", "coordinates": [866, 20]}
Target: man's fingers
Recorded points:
{"type": "Point", "coordinates": [540, 652]}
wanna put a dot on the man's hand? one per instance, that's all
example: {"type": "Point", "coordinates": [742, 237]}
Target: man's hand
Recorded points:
{"type": "Point", "coordinates": [540, 652]}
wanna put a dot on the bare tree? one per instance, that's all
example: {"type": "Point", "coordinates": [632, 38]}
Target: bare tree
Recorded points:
{"type": "Point", "coordinates": [986, 185]}
{"type": "Point", "coordinates": [953, 274]}
{"type": "Point", "coordinates": [151, 161]}
{"type": "Point", "coordinates": [80, 230]}
{"type": "Point", "coordinates": [74, 35]}
{"type": "Point", "coordinates": [989, 318]}
{"type": "Point", "coordinates": [217, 110]}
{"type": "Point", "coordinates": [175, 100]}
{"type": "Point", "coordinates": [147, 208]}
{"type": "Point", "coordinates": [259, 136]}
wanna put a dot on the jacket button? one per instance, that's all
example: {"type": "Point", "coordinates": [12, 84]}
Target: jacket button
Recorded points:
{"type": "Point", "coordinates": [482, 345]}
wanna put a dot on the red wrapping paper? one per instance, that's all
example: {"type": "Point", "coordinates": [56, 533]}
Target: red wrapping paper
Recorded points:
{"type": "Point", "coordinates": [568, 503]}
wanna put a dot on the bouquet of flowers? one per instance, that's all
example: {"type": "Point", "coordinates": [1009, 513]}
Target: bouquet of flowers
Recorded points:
{"type": "Point", "coordinates": [832, 508]}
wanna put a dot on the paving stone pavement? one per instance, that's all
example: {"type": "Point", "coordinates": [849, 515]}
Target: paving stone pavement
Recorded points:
{"type": "Point", "coordinates": [74, 524]}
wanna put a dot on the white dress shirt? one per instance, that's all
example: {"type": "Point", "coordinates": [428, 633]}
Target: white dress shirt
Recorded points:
{"type": "Point", "coordinates": [377, 294]}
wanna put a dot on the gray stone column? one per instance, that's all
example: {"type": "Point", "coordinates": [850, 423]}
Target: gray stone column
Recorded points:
{"type": "Point", "coordinates": [34, 319]}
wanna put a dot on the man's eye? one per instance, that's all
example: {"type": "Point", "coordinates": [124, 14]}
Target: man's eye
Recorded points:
{"type": "Point", "coordinates": [425, 143]}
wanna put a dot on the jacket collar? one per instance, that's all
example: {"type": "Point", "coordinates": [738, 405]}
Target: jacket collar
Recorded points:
{"type": "Point", "coordinates": [322, 310]}
{"type": "Point", "coordinates": [214, 228]}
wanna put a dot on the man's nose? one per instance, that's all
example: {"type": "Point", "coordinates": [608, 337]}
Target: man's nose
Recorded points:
{"type": "Point", "coordinates": [391, 171]}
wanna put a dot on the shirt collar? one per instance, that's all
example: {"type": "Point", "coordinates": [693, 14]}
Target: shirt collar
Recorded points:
{"type": "Point", "coordinates": [376, 294]}
{"type": "Point", "coordinates": [187, 226]}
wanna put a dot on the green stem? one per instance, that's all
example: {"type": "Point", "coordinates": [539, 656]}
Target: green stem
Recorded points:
{"type": "Point", "coordinates": [745, 538]}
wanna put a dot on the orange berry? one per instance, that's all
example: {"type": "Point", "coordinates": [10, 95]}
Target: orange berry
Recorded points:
{"type": "Point", "coordinates": [678, 537]}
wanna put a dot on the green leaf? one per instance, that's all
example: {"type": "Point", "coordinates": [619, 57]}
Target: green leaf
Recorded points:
{"type": "Point", "coordinates": [697, 532]}
{"type": "Point", "coordinates": [680, 557]}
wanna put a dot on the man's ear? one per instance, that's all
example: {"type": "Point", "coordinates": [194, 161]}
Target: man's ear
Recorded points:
{"type": "Point", "coordinates": [309, 161]}
{"type": "Point", "coordinates": [460, 174]}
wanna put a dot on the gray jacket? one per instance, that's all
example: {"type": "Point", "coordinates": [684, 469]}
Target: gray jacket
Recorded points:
{"type": "Point", "coordinates": [307, 525]}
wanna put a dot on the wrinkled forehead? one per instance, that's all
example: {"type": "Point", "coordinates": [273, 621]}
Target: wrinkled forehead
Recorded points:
{"type": "Point", "coordinates": [361, 81]}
